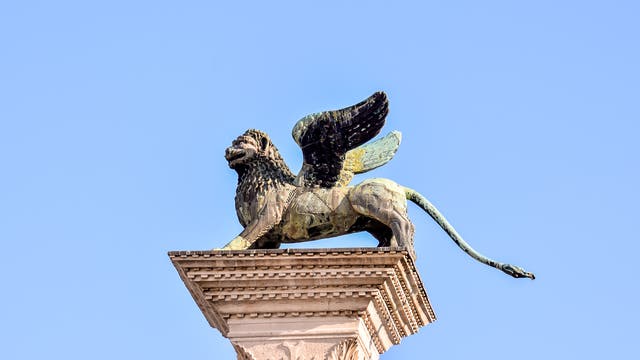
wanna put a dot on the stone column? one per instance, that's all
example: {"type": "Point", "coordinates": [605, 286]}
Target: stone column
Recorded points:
{"type": "Point", "coordinates": [304, 304]}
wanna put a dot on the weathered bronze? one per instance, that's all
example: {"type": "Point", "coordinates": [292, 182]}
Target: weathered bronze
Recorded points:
{"type": "Point", "coordinates": [275, 206]}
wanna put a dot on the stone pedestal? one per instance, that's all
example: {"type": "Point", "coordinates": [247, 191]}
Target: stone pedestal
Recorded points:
{"type": "Point", "coordinates": [303, 304]}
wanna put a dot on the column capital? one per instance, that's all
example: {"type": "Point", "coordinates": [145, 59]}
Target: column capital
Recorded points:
{"type": "Point", "coordinates": [345, 303]}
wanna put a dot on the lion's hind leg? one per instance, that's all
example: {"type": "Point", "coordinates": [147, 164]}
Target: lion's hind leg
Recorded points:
{"type": "Point", "coordinates": [385, 201]}
{"type": "Point", "coordinates": [401, 228]}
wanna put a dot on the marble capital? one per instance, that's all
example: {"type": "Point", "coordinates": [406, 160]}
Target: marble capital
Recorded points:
{"type": "Point", "coordinates": [307, 304]}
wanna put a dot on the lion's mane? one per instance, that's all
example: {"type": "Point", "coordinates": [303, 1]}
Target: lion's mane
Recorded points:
{"type": "Point", "coordinates": [265, 171]}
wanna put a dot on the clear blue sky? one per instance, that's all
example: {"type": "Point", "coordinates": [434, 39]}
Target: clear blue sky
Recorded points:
{"type": "Point", "coordinates": [520, 122]}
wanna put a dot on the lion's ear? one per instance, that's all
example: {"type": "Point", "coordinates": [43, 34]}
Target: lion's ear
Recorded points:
{"type": "Point", "coordinates": [264, 143]}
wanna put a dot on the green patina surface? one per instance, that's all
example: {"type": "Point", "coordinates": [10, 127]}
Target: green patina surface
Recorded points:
{"type": "Point", "coordinates": [275, 206]}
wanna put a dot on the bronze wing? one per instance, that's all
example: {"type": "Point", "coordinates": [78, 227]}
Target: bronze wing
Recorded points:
{"type": "Point", "coordinates": [369, 156]}
{"type": "Point", "coordinates": [325, 139]}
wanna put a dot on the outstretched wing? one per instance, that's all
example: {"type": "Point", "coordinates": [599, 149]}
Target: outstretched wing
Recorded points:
{"type": "Point", "coordinates": [326, 137]}
{"type": "Point", "coordinates": [369, 156]}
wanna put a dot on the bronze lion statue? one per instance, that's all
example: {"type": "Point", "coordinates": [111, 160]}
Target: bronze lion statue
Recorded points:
{"type": "Point", "coordinates": [275, 206]}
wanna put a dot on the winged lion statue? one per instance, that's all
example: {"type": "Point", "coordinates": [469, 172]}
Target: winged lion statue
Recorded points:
{"type": "Point", "coordinates": [276, 206]}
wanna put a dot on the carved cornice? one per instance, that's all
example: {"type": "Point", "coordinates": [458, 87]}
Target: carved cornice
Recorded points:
{"type": "Point", "coordinates": [379, 286]}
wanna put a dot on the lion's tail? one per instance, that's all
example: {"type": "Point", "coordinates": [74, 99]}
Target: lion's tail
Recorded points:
{"type": "Point", "coordinates": [427, 206]}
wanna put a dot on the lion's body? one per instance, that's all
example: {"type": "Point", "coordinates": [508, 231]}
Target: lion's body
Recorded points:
{"type": "Point", "coordinates": [274, 210]}
{"type": "Point", "coordinates": [318, 213]}
{"type": "Point", "coordinates": [293, 214]}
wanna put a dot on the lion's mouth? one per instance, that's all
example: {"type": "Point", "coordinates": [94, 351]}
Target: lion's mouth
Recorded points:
{"type": "Point", "coordinates": [233, 155]}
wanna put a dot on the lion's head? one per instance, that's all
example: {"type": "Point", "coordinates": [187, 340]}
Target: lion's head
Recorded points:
{"type": "Point", "coordinates": [254, 149]}
{"type": "Point", "coordinates": [253, 145]}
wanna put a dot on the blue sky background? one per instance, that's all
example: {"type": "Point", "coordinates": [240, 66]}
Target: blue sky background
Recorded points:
{"type": "Point", "coordinates": [520, 122]}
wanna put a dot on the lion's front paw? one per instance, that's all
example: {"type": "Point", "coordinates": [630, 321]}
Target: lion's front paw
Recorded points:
{"type": "Point", "coordinates": [238, 243]}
